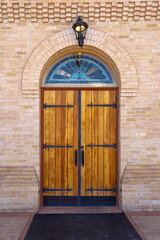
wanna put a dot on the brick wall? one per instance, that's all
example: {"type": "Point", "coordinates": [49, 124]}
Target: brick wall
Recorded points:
{"type": "Point", "coordinates": [128, 33]}
{"type": "Point", "coordinates": [18, 189]}
{"type": "Point", "coordinates": [141, 188]}
{"type": "Point", "coordinates": [58, 11]}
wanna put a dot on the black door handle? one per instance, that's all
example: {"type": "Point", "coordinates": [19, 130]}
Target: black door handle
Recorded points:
{"type": "Point", "coordinates": [82, 158]}
{"type": "Point", "coordinates": [75, 158]}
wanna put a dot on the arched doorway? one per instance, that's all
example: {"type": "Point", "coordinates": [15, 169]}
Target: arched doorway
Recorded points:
{"type": "Point", "coordinates": [79, 132]}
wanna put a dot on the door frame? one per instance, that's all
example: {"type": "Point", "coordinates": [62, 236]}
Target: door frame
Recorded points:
{"type": "Point", "coordinates": [116, 89]}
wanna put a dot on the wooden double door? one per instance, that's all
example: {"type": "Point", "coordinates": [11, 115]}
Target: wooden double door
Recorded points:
{"type": "Point", "coordinates": [79, 147]}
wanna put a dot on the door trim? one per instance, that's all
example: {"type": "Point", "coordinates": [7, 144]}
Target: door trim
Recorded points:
{"type": "Point", "coordinates": [42, 133]}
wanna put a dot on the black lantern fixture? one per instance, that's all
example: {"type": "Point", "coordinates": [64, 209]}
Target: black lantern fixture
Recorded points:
{"type": "Point", "coordinates": [80, 28]}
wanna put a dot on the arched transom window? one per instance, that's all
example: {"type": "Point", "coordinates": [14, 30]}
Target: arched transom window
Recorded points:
{"type": "Point", "coordinates": [79, 69]}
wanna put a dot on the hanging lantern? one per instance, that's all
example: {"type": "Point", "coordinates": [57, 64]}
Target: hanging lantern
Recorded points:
{"type": "Point", "coordinates": [80, 28]}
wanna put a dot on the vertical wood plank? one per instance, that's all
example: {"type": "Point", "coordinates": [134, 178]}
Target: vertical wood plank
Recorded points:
{"type": "Point", "coordinates": [106, 141]}
{"type": "Point", "coordinates": [70, 142]}
{"type": "Point", "coordinates": [88, 140]}
{"type": "Point", "coordinates": [58, 142]}
{"type": "Point", "coordinates": [94, 141]}
{"type": "Point", "coordinates": [83, 143]}
{"type": "Point", "coordinates": [100, 142]}
{"type": "Point", "coordinates": [112, 99]}
{"type": "Point", "coordinates": [75, 143]}
{"type": "Point", "coordinates": [46, 140]}
{"type": "Point", "coordinates": [66, 151]}
{"type": "Point", "coordinates": [64, 143]}
{"type": "Point", "coordinates": [52, 153]}
{"type": "Point", "coordinates": [117, 152]}
{"type": "Point", "coordinates": [42, 155]}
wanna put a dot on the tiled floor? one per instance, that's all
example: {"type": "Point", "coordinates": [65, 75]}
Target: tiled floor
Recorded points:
{"type": "Point", "coordinates": [149, 225]}
{"type": "Point", "coordinates": [13, 226]}
{"type": "Point", "coordinates": [146, 223]}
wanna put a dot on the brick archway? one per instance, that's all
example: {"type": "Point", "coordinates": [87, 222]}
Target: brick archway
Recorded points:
{"type": "Point", "coordinates": [65, 39]}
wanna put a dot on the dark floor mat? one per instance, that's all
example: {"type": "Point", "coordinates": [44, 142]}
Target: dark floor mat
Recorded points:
{"type": "Point", "coordinates": [112, 226]}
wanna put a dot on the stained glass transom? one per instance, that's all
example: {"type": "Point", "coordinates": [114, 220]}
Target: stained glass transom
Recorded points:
{"type": "Point", "coordinates": [79, 69]}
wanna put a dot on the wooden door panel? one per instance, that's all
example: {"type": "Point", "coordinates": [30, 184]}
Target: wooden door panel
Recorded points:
{"type": "Point", "coordinates": [87, 150]}
{"type": "Point", "coordinates": [75, 141]}
{"type": "Point", "coordinates": [94, 137]}
{"type": "Point", "coordinates": [46, 154]}
{"type": "Point", "coordinates": [52, 151]}
{"type": "Point", "coordinates": [83, 141]}
{"type": "Point", "coordinates": [98, 127]}
{"type": "Point", "coordinates": [100, 141]}
{"type": "Point", "coordinates": [112, 99]}
{"type": "Point", "coordinates": [58, 133]}
{"type": "Point", "coordinates": [70, 97]}
{"type": "Point", "coordinates": [64, 143]}
{"type": "Point", "coordinates": [107, 156]}
{"type": "Point", "coordinates": [59, 168]}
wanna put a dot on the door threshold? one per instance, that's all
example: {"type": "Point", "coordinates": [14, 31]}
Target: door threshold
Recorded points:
{"type": "Point", "coordinates": [79, 210]}
{"type": "Point", "coordinates": [94, 201]}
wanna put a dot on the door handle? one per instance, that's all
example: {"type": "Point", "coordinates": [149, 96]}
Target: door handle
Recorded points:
{"type": "Point", "coordinates": [82, 158]}
{"type": "Point", "coordinates": [75, 158]}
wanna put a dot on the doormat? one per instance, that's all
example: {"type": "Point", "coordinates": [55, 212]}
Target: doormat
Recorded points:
{"type": "Point", "coordinates": [112, 226]}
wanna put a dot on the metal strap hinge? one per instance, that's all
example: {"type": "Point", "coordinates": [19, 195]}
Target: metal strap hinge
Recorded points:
{"type": "Point", "coordinates": [114, 105]}
{"type": "Point", "coordinates": [101, 190]}
{"type": "Point", "coordinates": [55, 146]}
{"type": "Point", "coordinates": [55, 190]}
{"type": "Point", "coordinates": [111, 146]}
{"type": "Point", "coordinates": [45, 106]}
